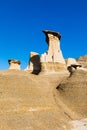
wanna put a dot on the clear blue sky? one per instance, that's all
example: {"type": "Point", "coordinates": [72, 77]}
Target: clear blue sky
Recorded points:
{"type": "Point", "coordinates": [22, 22]}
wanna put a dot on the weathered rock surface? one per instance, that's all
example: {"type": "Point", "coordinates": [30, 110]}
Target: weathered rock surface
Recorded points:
{"type": "Point", "coordinates": [73, 92]}
{"type": "Point", "coordinates": [31, 102]}
{"type": "Point", "coordinates": [50, 61]}
{"type": "Point", "coordinates": [72, 65]}
{"type": "Point", "coordinates": [53, 53]}
{"type": "Point", "coordinates": [27, 102]}
{"type": "Point", "coordinates": [14, 64]}
{"type": "Point", "coordinates": [83, 61]}
{"type": "Point", "coordinates": [51, 67]}
{"type": "Point", "coordinates": [54, 100]}
{"type": "Point", "coordinates": [34, 63]}
{"type": "Point", "coordinates": [71, 61]}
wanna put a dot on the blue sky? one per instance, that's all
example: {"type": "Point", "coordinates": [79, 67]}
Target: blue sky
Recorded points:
{"type": "Point", "coordinates": [22, 22]}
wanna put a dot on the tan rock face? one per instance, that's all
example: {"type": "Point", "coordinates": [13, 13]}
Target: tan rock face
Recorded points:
{"type": "Point", "coordinates": [27, 102]}
{"type": "Point", "coordinates": [72, 65]}
{"type": "Point", "coordinates": [73, 92]}
{"type": "Point", "coordinates": [53, 67]}
{"type": "Point", "coordinates": [14, 64]}
{"type": "Point", "coordinates": [50, 60]}
{"type": "Point", "coordinates": [83, 61]}
{"type": "Point", "coordinates": [54, 53]}
{"type": "Point", "coordinates": [34, 63]}
{"type": "Point", "coordinates": [71, 61]}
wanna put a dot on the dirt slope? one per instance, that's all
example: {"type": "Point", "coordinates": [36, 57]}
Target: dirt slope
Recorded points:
{"type": "Point", "coordinates": [31, 102]}
{"type": "Point", "coordinates": [73, 92]}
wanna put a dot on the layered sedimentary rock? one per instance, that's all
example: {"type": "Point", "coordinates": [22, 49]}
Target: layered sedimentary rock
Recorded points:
{"type": "Point", "coordinates": [27, 102]}
{"type": "Point", "coordinates": [72, 65]}
{"type": "Point", "coordinates": [52, 67]}
{"type": "Point", "coordinates": [73, 92]}
{"type": "Point", "coordinates": [14, 64]}
{"type": "Point", "coordinates": [83, 61]}
{"type": "Point", "coordinates": [52, 60]}
{"type": "Point", "coordinates": [34, 63]}
{"type": "Point", "coordinates": [53, 53]}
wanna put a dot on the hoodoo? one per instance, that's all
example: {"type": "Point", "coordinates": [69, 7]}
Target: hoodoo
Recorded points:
{"type": "Point", "coordinates": [54, 53]}
{"type": "Point", "coordinates": [14, 64]}
{"type": "Point", "coordinates": [52, 60]}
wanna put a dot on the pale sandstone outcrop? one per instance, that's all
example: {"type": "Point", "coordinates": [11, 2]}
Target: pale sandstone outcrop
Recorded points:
{"type": "Point", "coordinates": [72, 65]}
{"type": "Point", "coordinates": [71, 61]}
{"type": "Point", "coordinates": [51, 67]}
{"type": "Point", "coordinates": [34, 63]}
{"type": "Point", "coordinates": [27, 102]}
{"type": "Point", "coordinates": [53, 53]}
{"type": "Point", "coordinates": [52, 60]}
{"type": "Point", "coordinates": [83, 61]}
{"type": "Point", "coordinates": [14, 64]}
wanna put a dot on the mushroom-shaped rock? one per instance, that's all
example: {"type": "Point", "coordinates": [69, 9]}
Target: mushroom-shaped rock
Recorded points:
{"type": "Point", "coordinates": [72, 65]}
{"type": "Point", "coordinates": [54, 53]}
{"type": "Point", "coordinates": [14, 64]}
{"type": "Point", "coordinates": [49, 33]}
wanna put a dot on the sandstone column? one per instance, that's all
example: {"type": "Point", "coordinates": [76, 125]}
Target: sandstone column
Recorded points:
{"type": "Point", "coordinates": [54, 53]}
{"type": "Point", "coordinates": [34, 63]}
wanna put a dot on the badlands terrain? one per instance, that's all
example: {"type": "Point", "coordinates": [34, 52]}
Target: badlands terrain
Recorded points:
{"type": "Point", "coordinates": [54, 101]}
{"type": "Point", "coordinates": [46, 96]}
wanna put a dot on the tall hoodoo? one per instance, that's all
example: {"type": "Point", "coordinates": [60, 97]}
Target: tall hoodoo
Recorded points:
{"type": "Point", "coordinates": [50, 61]}
{"type": "Point", "coordinates": [54, 53]}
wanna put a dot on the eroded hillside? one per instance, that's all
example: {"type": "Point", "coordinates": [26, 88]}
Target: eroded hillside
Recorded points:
{"type": "Point", "coordinates": [33, 102]}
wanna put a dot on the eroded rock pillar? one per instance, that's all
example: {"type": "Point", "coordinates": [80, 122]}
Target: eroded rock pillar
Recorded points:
{"type": "Point", "coordinates": [54, 53]}
{"type": "Point", "coordinates": [14, 64]}
{"type": "Point", "coordinates": [34, 63]}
